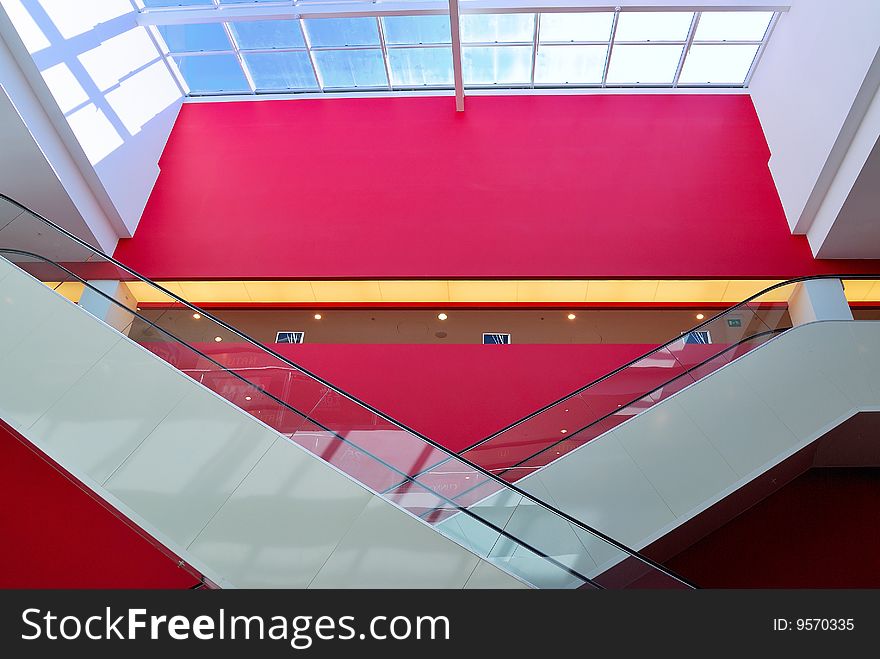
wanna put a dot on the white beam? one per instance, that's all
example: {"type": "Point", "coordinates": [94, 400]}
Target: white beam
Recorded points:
{"type": "Point", "coordinates": [258, 12]}
{"type": "Point", "coordinates": [457, 74]}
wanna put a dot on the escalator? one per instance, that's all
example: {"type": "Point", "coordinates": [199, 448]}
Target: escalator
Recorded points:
{"type": "Point", "coordinates": [551, 432]}
{"type": "Point", "coordinates": [157, 482]}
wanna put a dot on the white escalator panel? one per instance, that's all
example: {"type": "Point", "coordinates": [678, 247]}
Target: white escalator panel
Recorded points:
{"type": "Point", "coordinates": [662, 467]}
{"type": "Point", "coordinates": [239, 501]}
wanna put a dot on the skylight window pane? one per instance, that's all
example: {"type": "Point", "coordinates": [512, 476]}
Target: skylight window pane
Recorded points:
{"type": "Point", "coordinates": [497, 28]}
{"type": "Point", "coordinates": [496, 65]}
{"type": "Point", "coordinates": [195, 38]}
{"type": "Point", "coordinates": [245, 2]}
{"type": "Point", "coordinates": [343, 31]}
{"type": "Point", "coordinates": [653, 25]}
{"type": "Point", "coordinates": [351, 68]}
{"type": "Point", "coordinates": [416, 29]}
{"type": "Point", "coordinates": [583, 26]}
{"type": "Point", "coordinates": [412, 67]}
{"type": "Point", "coordinates": [733, 25]}
{"type": "Point", "coordinates": [644, 64]}
{"type": "Point", "coordinates": [281, 71]}
{"type": "Point", "coordinates": [176, 3]}
{"type": "Point", "coordinates": [718, 64]}
{"type": "Point", "coordinates": [268, 34]}
{"type": "Point", "coordinates": [212, 73]}
{"type": "Point", "coordinates": [570, 64]}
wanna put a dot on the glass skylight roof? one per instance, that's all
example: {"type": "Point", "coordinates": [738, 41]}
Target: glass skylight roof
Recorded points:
{"type": "Point", "coordinates": [287, 46]}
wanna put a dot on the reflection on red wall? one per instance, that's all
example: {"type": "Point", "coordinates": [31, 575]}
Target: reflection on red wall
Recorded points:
{"type": "Point", "coordinates": [454, 394]}
{"type": "Point", "coordinates": [57, 536]}
{"type": "Point", "coordinates": [521, 186]}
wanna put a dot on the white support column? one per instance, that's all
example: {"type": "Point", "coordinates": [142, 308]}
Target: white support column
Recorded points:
{"type": "Point", "coordinates": [818, 299]}
{"type": "Point", "coordinates": [102, 308]}
{"type": "Point", "coordinates": [457, 73]}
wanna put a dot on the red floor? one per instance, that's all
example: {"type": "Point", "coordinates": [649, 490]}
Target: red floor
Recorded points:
{"type": "Point", "coordinates": [822, 530]}
{"type": "Point", "coordinates": [56, 536]}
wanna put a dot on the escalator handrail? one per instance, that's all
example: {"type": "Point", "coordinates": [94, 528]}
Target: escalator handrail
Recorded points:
{"type": "Point", "coordinates": [632, 362]}
{"type": "Point", "coordinates": [404, 476]}
{"type": "Point", "coordinates": [613, 412]}
{"type": "Point", "coordinates": [502, 483]}
{"type": "Point", "coordinates": [210, 316]}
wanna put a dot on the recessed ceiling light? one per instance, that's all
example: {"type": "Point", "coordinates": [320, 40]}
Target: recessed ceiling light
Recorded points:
{"type": "Point", "coordinates": [442, 316]}
{"type": "Point", "coordinates": [563, 431]}
{"type": "Point", "coordinates": [247, 397]}
{"type": "Point", "coordinates": [218, 339]}
{"type": "Point", "coordinates": [571, 316]}
{"type": "Point", "coordinates": [700, 316]}
{"type": "Point", "coordinates": [318, 316]}
{"type": "Point", "coordinates": [197, 316]}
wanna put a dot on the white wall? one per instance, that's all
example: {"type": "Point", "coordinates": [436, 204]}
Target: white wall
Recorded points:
{"type": "Point", "coordinates": [106, 88]}
{"type": "Point", "coordinates": [814, 84]}
{"type": "Point", "coordinates": [35, 166]}
{"type": "Point", "coordinates": [243, 504]}
{"type": "Point", "coordinates": [847, 224]}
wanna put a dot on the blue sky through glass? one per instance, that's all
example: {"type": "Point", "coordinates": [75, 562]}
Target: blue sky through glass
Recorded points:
{"type": "Point", "coordinates": [176, 3]}
{"type": "Point", "coordinates": [493, 65]}
{"type": "Point", "coordinates": [414, 67]}
{"type": "Point", "coordinates": [212, 73]}
{"type": "Point", "coordinates": [199, 37]}
{"type": "Point", "coordinates": [343, 31]}
{"type": "Point", "coordinates": [268, 34]}
{"type": "Point", "coordinates": [417, 29]}
{"type": "Point", "coordinates": [281, 71]}
{"type": "Point", "coordinates": [351, 68]}
{"type": "Point", "coordinates": [498, 49]}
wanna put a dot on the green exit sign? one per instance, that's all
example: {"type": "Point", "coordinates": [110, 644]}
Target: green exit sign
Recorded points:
{"type": "Point", "coordinates": [734, 322]}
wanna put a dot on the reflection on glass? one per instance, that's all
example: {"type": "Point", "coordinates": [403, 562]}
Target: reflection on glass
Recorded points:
{"type": "Point", "coordinates": [497, 28]}
{"type": "Point", "coordinates": [342, 31]}
{"type": "Point", "coordinates": [195, 38]}
{"type": "Point", "coordinates": [420, 66]}
{"type": "Point", "coordinates": [281, 71]}
{"type": "Point", "coordinates": [643, 64]}
{"type": "Point", "coordinates": [516, 532]}
{"type": "Point", "coordinates": [733, 25]}
{"type": "Point", "coordinates": [411, 30]}
{"type": "Point", "coordinates": [728, 64]}
{"type": "Point", "coordinates": [351, 68]}
{"type": "Point", "coordinates": [496, 65]}
{"type": "Point", "coordinates": [212, 73]}
{"type": "Point", "coordinates": [570, 64]}
{"type": "Point", "coordinates": [604, 404]}
{"type": "Point", "coordinates": [582, 26]}
{"type": "Point", "coordinates": [268, 34]}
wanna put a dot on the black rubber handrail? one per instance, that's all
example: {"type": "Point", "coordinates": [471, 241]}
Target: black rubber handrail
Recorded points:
{"type": "Point", "coordinates": [404, 476]}
{"type": "Point", "coordinates": [630, 363]}
{"type": "Point", "coordinates": [578, 523]}
{"type": "Point", "coordinates": [613, 412]}
{"type": "Point", "coordinates": [733, 346]}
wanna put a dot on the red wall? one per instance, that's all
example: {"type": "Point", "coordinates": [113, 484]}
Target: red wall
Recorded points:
{"type": "Point", "coordinates": [459, 394]}
{"type": "Point", "coordinates": [522, 186]}
{"type": "Point", "coordinates": [819, 531]}
{"type": "Point", "coordinates": [57, 536]}
{"type": "Point", "coordinates": [454, 394]}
